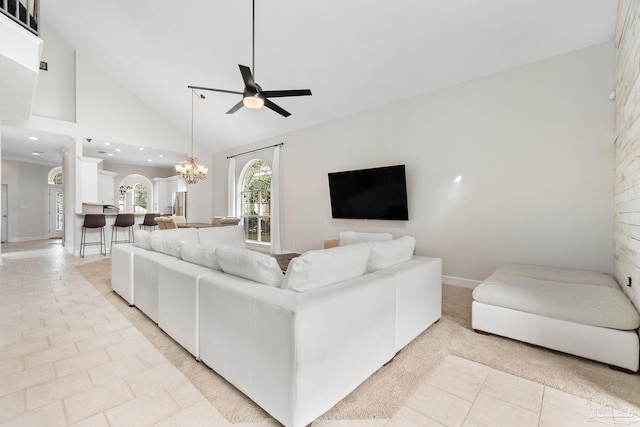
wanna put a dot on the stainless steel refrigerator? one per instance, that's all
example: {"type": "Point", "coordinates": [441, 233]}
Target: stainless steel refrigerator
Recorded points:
{"type": "Point", "coordinates": [179, 204]}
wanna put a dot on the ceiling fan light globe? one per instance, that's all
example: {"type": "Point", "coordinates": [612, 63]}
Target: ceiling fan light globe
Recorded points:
{"type": "Point", "coordinates": [254, 102]}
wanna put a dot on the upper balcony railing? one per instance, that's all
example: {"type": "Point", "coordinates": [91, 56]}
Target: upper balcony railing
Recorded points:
{"type": "Point", "coordinates": [24, 12]}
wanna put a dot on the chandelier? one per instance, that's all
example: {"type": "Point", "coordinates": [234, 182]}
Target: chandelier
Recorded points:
{"type": "Point", "coordinates": [125, 189]}
{"type": "Point", "coordinates": [191, 171]}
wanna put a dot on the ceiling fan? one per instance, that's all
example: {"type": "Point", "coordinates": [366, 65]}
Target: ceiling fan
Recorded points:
{"type": "Point", "coordinates": [253, 96]}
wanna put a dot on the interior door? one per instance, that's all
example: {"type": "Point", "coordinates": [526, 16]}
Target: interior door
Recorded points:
{"type": "Point", "coordinates": [56, 212]}
{"type": "Point", "coordinates": [4, 210]}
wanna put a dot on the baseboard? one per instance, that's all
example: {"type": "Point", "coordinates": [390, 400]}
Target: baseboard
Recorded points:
{"type": "Point", "coordinates": [27, 239]}
{"type": "Point", "coordinates": [459, 281]}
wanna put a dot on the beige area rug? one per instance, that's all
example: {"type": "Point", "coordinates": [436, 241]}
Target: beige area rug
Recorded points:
{"type": "Point", "coordinates": [384, 393]}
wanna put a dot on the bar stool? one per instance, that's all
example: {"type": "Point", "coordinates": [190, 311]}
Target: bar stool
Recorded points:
{"type": "Point", "coordinates": [150, 220]}
{"type": "Point", "coordinates": [125, 220]}
{"type": "Point", "coordinates": [93, 221]}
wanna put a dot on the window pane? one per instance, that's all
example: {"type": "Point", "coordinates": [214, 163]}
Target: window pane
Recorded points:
{"type": "Point", "coordinates": [256, 202]}
{"type": "Point", "coordinates": [59, 211]}
{"type": "Point", "coordinates": [140, 198]}
{"type": "Point", "coordinates": [251, 227]}
{"type": "Point", "coordinates": [265, 229]}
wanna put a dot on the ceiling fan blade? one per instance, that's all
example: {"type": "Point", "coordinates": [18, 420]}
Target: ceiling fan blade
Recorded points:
{"type": "Point", "coordinates": [248, 78]}
{"type": "Point", "coordinates": [283, 93]}
{"type": "Point", "coordinates": [235, 92]}
{"type": "Point", "coordinates": [236, 107]}
{"type": "Point", "coordinates": [276, 108]}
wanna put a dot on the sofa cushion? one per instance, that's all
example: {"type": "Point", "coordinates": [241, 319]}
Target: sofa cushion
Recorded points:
{"type": "Point", "coordinates": [187, 234]}
{"type": "Point", "coordinates": [169, 241]}
{"type": "Point", "coordinates": [249, 264]}
{"type": "Point", "coordinates": [315, 269]}
{"type": "Point", "coordinates": [204, 255]}
{"type": "Point", "coordinates": [352, 237]}
{"type": "Point", "coordinates": [231, 235]}
{"type": "Point", "coordinates": [391, 252]}
{"type": "Point", "coordinates": [142, 239]}
{"type": "Point", "coordinates": [595, 301]}
{"type": "Point", "coordinates": [167, 245]}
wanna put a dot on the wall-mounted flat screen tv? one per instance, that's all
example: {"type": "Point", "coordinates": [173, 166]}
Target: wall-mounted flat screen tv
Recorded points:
{"type": "Point", "coordinates": [377, 193]}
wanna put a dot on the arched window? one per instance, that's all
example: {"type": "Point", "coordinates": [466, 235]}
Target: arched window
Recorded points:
{"type": "Point", "coordinates": [122, 198]}
{"type": "Point", "coordinates": [55, 176]}
{"type": "Point", "coordinates": [140, 198]}
{"type": "Point", "coordinates": [135, 194]}
{"type": "Point", "coordinates": [256, 202]}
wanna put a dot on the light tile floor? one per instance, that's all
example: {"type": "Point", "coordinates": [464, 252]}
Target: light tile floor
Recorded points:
{"type": "Point", "coordinates": [69, 358]}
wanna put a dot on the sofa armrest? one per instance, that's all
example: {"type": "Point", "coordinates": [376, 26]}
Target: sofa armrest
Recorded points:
{"type": "Point", "coordinates": [122, 270]}
{"type": "Point", "coordinates": [418, 296]}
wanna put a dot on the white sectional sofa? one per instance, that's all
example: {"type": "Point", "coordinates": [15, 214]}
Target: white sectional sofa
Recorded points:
{"type": "Point", "coordinates": [577, 312]}
{"type": "Point", "coordinates": [297, 343]}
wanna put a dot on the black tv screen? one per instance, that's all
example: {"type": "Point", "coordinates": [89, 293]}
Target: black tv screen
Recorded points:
{"type": "Point", "coordinates": [377, 193]}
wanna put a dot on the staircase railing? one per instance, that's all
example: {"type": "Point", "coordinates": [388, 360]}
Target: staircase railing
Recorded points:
{"type": "Point", "coordinates": [24, 12]}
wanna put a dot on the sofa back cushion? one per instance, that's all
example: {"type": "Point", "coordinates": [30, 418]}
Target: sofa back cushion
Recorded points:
{"type": "Point", "coordinates": [315, 269]}
{"type": "Point", "coordinates": [169, 241]}
{"type": "Point", "coordinates": [204, 255]}
{"type": "Point", "coordinates": [249, 264]}
{"type": "Point", "coordinates": [232, 235]}
{"type": "Point", "coordinates": [142, 239]}
{"type": "Point", "coordinates": [352, 237]}
{"type": "Point", "coordinates": [391, 252]}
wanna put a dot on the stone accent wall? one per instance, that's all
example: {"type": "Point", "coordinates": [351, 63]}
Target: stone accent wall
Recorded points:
{"type": "Point", "coordinates": [627, 149]}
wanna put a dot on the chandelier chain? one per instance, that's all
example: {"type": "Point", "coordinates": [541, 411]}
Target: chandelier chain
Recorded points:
{"type": "Point", "coordinates": [191, 171]}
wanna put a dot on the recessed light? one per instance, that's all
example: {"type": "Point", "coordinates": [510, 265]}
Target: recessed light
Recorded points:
{"type": "Point", "coordinates": [33, 138]}
{"type": "Point", "coordinates": [118, 150]}
{"type": "Point", "coordinates": [37, 153]}
{"type": "Point", "coordinates": [141, 149]}
{"type": "Point", "coordinates": [107, 143]}
{"type": "Point", "coordinates": [110, 154]}
{"type": "Point", "coordinates": [161, 156]}
{"type": "Point", "coordinates": [149, 160]}
{"type": "Point", "coordinates": [458, 179]}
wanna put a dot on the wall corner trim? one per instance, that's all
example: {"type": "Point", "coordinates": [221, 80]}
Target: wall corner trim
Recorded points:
{"type": "Point", "coordinates": [460, 281]}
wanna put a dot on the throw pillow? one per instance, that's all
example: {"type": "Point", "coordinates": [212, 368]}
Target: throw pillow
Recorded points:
{"type": "Point", "coordinates": [352, 237]}
{"type": "Point", "coordinates": [142, 239]}
{"type": "Point", "coordinates": [204, 255]}
{"type": "Point", "coordinates": [385, 254]}
{"type": "Point", "coordinates": [315, 269]}
{"type": "Point", "coordinates": [249, 264]}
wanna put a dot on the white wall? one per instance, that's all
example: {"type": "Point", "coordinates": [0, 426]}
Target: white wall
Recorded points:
{"type": "Point", "coordinates": [28, 199]}
{"type": "Point", "coordinates": [55, 92]}
{"type": "Point", "coordinates": [108, 112]}
{"type": "Point", "coordinates": [19, 61]}
{"type": "Point", "coordinates": [534, 148]}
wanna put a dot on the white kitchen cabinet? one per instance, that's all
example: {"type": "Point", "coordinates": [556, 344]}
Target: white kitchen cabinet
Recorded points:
{"type": "Point", "coordinates": [175, 184]}
{"type": "Point", "coordinates": [106, 187]}
{"type": "Point", "coordinates": [89, 179]}
{"type": "Point", "coordinates": [164, 190]}
{"type": "Point", "coordinates": [161, 203]}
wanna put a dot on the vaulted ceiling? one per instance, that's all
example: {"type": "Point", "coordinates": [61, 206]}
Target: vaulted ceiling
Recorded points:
{"type": "Point", "coordinates": [354, 55]}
